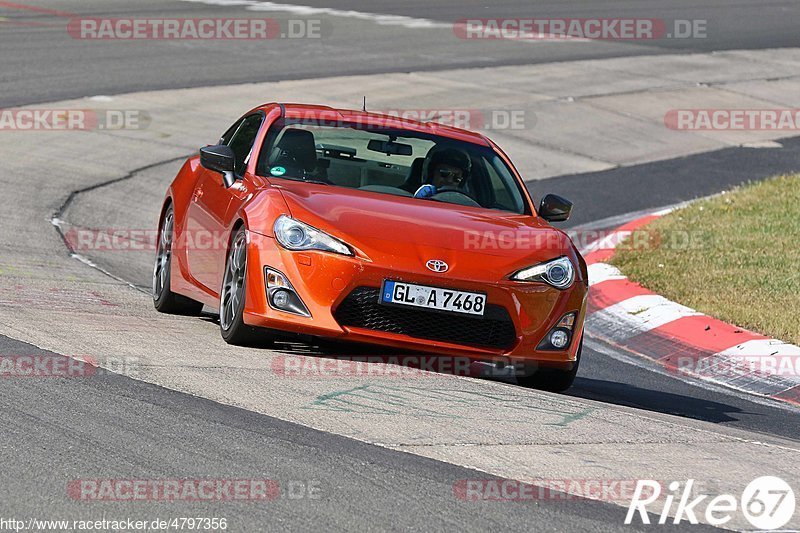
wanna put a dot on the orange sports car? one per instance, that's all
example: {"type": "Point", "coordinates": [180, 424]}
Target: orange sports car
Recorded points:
{"type": "Point", "coordinates": [364, 227]}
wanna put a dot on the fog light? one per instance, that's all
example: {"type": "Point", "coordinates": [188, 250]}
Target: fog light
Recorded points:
{"type": "Point", "coordinates": [281, 295]}
{"type": "Point", "coordinates": [280, 298]}
{"type": "Point", "coordinates": [559, 338]}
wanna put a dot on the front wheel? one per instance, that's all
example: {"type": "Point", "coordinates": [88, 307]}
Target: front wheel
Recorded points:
{"type": "Point", "coordinates": [232, 296]}
{"type": "Point", "coordinates": [552, 379]}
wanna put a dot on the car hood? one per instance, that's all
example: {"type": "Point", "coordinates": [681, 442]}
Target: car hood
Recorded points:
{"type": "Point", "coordinates": [405, 233]}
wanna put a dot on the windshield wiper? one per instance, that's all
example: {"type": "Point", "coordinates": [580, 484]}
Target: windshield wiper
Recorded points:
{"type": "Point", "coordinates": [305, 180]}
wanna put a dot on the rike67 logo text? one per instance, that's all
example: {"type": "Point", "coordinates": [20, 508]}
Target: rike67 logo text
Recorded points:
{"type": "Point", "coordinates": [768, 503]}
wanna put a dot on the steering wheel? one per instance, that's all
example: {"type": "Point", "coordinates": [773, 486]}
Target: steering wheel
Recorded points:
{"type": "Point", "coordinates": [444, 192]}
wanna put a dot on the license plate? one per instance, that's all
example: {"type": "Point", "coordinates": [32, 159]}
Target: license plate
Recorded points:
{"type": "Point", "coordinates": [434, 298]}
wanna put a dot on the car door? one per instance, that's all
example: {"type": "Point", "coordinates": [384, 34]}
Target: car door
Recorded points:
{"type": "Point", "coordinates": [209, 205]}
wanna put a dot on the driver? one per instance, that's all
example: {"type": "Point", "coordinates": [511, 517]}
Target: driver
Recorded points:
{"type": "Point", "coordinates": [448, 169]}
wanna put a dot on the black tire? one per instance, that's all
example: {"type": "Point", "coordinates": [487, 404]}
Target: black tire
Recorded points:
{"type": "Point", "coordinates": [164, 300]}
{"type": "Point", "coordinates": [552, 379]}
{"type": "Point", "coordinates": [232, 295]}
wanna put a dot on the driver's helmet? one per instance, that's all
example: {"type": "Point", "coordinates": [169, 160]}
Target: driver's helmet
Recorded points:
{"type": "Point", "coordinates": [449, 156]}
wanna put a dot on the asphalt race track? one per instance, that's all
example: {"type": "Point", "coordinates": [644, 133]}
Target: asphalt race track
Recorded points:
{"type": "Point", "coordinates": [72, 69]}
{"type": "Point", "coordinates": [347, 453]}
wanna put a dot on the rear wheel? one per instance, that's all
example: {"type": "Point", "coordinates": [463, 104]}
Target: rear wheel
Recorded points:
{"type": "Point", "coordinates": [232, 296]}
{"type": "Point", "coordinates": [164, 299]}
{"type": "Point", "coordinates": [552, 379]}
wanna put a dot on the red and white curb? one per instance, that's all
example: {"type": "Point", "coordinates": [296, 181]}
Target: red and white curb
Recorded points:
{"type": "Point", "coordinates": [682, 340]}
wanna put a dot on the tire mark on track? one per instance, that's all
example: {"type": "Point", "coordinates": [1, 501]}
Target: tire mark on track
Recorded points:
{"type": "Point", "coordinates": [57, 221]}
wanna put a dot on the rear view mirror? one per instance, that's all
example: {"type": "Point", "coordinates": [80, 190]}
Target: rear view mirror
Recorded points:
{"type": "Point", "coordinates": [389, 147]}
{"type": "Point", "coordinates": [555, 208]}
{"type": "Point", "coordinates": [219, 158]}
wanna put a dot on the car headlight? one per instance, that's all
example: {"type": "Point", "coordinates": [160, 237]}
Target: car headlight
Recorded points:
{"type": "Point", "coordinates": [295, 235]}
{"type": "Point", "coordinates": [559, 273]}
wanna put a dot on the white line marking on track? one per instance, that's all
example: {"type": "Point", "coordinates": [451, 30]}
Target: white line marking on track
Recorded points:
{"type": "Point", "coordinates": [646, 312]}
{"type": "Point", "coordinates": [599, 272]}
{"type": "Point", "coordinates": [763, 347]}
{"type": "Point", "coordinates": [381, 19]}
{"type": "Point", "coordinates": [377, 18]}
{"type": "Point", "coordinates": [88, 262]}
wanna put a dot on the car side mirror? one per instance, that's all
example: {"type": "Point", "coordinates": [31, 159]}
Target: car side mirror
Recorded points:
{"type": "Point", "coordinates": [219, 158]}
{"type": "Point", "coordinates": [555, 208]}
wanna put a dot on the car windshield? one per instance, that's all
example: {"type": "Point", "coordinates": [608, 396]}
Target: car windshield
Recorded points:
{"type": "Point", "coordinates": [390, 161]}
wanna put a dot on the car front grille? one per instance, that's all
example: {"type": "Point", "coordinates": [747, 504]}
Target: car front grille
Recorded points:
{"type": "Point", "coordinates": [360, 309]}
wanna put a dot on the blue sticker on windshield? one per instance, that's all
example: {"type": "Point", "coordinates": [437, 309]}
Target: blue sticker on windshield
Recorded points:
{"type": "Point", "coordinates": [277, 171]}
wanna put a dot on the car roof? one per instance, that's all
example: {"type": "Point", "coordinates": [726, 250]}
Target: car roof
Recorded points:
{"type": "Point", "coordinates": [326, 113]}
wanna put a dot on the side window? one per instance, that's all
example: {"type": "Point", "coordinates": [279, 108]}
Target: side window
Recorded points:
{"type": "Point", "coordinates": [228, 135]}
{"type": "Point", "coordinates": [241, 142]}
{"type": "Point", "coordinates": [503, 194]}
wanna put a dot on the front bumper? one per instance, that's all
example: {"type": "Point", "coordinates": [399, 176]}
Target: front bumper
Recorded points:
{"type": "Point", "coordinates": [334, 287]}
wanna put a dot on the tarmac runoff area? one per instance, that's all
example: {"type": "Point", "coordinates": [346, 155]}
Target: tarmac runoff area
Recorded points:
{"type": "Point", "coordinates": [578, 117]}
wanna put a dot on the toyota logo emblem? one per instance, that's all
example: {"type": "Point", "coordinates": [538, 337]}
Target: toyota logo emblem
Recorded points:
{"type": "Point", "coordinates": [437, 265]}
